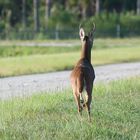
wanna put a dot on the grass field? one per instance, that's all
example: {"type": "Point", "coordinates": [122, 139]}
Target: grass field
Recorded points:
{"type": "Point", "coordinates": [13, 51]}
{"type": "Point", "coordinates": [19, 48]}
{"type": "Point", "coordinates": [39, 63]}
{"type": "Point", "coordinates": [115, 115]}
{"type": "Point", "coordinates": [19, 60]}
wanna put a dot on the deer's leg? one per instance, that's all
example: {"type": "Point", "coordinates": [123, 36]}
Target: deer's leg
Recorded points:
{"type": "Point", "coordinates": [77, 99]}
{"type": "Point", "coordinates": [89, 99]}
{"type": "Point", "coordinates": [80, 86]}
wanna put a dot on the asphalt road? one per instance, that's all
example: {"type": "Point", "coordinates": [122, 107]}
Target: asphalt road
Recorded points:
{"type": "Point", "coordinates": [20, 86]}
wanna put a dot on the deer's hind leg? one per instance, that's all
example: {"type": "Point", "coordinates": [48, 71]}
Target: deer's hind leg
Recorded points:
{"type": "Point", "coordinates": [77, 92]}
{"type": "Point", "coordinates": [89, 99]}
{"type": "Point", "coordinates": [77, 99]}
{"type": "Point", "coordinates": [80, 87]}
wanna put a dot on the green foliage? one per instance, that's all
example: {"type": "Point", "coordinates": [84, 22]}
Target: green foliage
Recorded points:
{"type": "Point", "coordinates": [64, 24]}
{"type": "Point", "coordinates": [61, 18]}
{"type": "Point", "coordinates": [115, 115]}
{"type": "Point", "coordinates": [130, 21]}
{"type": "Point", "coordinates": [2, 25]}
{"type": "Point", "coordinates": [106, 24]}
{"type": "Point", "coordinates": [66, 15]}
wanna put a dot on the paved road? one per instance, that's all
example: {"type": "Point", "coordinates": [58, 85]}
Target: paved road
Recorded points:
{"type": "Point", "coordinates": [30, 84]}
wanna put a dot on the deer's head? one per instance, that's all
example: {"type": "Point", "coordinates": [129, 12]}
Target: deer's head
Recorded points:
{"type": "Point", "coordinates": [87, 39]}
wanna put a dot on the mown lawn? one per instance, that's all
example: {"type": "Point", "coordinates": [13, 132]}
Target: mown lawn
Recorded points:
{"type": "Point", "coordinates": [115, 115]}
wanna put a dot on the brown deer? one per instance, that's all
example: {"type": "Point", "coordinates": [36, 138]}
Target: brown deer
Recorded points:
{"type": "Point", "coordinates": [82, 76]}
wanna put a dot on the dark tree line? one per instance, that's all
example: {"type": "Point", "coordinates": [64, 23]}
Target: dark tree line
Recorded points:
{"type": "Point", "coordinates": [33, 13]}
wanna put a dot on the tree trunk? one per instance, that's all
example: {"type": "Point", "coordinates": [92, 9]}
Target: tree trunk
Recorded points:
{"type": "Point", "coordinates": [48, 8]}
{"type": "Point", "coordinates": [91, 8]}
{"type": "Point", "coordinates": [24, 14]}
{"type": "Point", "coordinates": [138, 7]}
{"type": "Point", "coordinates": [36, 15]}
{"type": "Point", "coordinates": [97, 7]}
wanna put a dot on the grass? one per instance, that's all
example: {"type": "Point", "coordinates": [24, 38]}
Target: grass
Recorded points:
{"type": "Point", "coordinates": [19, 60]}
{"type": "Point", "coordinates": [13, 51]}
{"type": "Point", "coordinates": [38, 63]}
{"type": "Point", "coordinates": [19, 48]}
{"type": "Point", "coordinates": [115, 113]}
{"type": "Point", "coordinates": [21, 42]}
{"type": "Point", "coordinates": [117, 42]}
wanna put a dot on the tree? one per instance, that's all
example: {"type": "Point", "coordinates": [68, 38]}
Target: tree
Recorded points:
{"type": "Point", "coordinates": [36, 15]}
{"type": "Point", "coordinates": [138, 7]}
{"type": "Point", "coordinates": [97, 6]}
{"type": "Point", "coordinates": [48, 8]}
{"type": "Point", "coordinates": [24, 13]}
{"type": "Point", "coordinates": [91, 8]}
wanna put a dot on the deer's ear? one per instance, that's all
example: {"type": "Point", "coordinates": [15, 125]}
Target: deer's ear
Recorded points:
{"type": "Point", "coordinates": [81, 33]}
{"type": "Point", "coordinates": [90, 34]}
{"type": "Point", "coordinates": [92, 31]}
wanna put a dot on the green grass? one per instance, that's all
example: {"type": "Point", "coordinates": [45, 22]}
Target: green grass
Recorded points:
{"type": "Point", "coordinates": [12, 51]}
{"type": "Point", "coordinates": [13, 48]}
{"type": "Point", "coordinates": [19, 65]}
{"type": "Point", "coordinates": [19, 60]}
{"type": "Point", "coordinates": [115, 115]}
{"type": "Point", "coordinates": [117, 42]}
{"type": "Point", "coordinates": [36, 41]}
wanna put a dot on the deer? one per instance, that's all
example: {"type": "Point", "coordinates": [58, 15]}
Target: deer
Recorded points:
{"type": "Point", "coordinates": [82, 76]}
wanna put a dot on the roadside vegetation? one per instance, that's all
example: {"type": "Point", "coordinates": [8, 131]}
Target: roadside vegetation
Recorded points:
{"type": "Point", "coordinates": [19, 60]}
{"type": "Point", "coordinates": [115, 115]}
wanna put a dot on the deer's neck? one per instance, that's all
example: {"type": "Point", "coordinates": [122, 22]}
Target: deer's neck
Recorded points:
{"type": "Point", "coordinates": [86, 52]}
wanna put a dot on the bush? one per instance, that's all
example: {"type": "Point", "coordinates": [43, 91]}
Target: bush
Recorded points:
{"type": "Point", "coordinates": [106, 24]}
{"type": "Point", "coordinates": [64, 24]}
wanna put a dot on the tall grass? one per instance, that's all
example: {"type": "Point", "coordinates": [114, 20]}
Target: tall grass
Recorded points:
{"type": "Point", "coordinates": [115, 115]}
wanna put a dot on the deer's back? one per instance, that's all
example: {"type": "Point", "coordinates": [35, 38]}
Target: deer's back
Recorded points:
{"type": "Point", "coordinates": [83, 69]}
